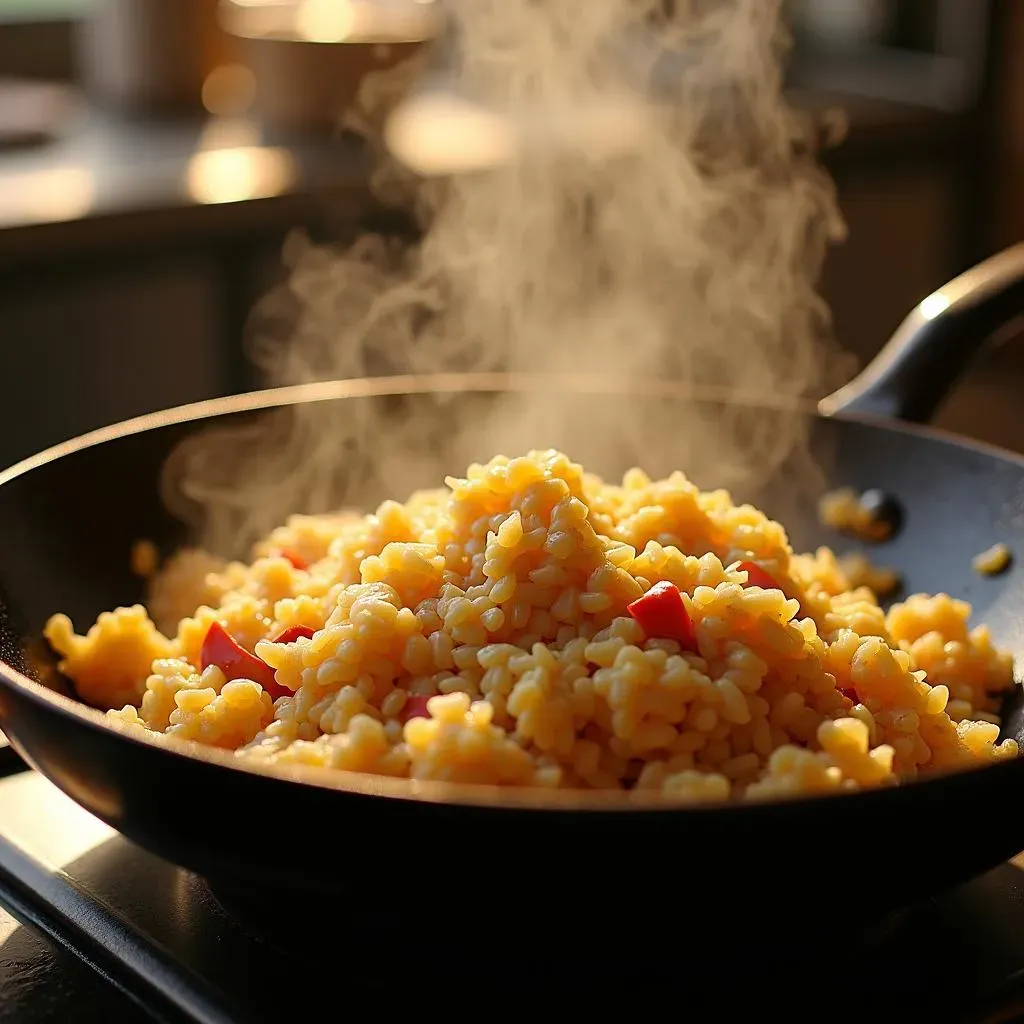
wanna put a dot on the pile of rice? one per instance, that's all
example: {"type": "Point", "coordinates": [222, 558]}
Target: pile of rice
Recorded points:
{"type": "Point", "coordinates": [503, 596]}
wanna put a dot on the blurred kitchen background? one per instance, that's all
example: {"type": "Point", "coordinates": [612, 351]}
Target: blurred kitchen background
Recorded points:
{"type": "Point", "coordinates": [154, 155]}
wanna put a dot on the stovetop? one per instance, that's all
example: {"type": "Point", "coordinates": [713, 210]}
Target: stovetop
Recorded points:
{"type": "Point", "coordinates": [97, 929]}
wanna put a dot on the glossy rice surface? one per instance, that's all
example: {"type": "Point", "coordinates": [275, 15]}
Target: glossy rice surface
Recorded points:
{"type": "Point", "coordinates": [502, 597]}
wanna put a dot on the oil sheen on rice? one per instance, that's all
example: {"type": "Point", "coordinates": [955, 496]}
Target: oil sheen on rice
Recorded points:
{"type": "Point", "coordinates": [502, 598]}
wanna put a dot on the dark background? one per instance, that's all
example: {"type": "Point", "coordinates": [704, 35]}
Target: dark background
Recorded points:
{"type": "Point", "coordinates": [121, 293]}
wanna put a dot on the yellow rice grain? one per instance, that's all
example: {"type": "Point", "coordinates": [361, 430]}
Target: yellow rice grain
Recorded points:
{"type": "Point", "coordinates": [993, 560]}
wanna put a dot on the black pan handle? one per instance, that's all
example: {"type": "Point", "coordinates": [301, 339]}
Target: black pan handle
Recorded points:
{"type": "Point", "coordinates": [922, 362]}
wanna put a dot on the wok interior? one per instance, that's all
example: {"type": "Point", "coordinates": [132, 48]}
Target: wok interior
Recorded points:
{"type": "Point", "coordinates": [69, 524]}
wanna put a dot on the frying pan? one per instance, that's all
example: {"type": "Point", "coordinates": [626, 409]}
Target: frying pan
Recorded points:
{"type": "Point", "coordinates": [562, 865]}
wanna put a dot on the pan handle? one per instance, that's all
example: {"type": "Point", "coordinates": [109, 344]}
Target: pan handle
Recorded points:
{"type": "Point", "coordinates": [922, 362]}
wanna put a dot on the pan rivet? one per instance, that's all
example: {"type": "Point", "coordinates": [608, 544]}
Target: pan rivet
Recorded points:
{"type": "Point", "coordinates": [884, 511]}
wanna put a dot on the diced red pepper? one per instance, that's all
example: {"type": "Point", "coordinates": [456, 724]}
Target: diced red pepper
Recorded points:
{"type": "Point", "coordinates": [662, 615]}
{"type": "Point", "coordinates": [414, 707]}
{"type": "Point", "coordinates": [221, 649]}
{"type": "Point", "coordinates": [757, 577]}
{"type": "Point", "coordinates": [850, 694]}
{"type": "Point", "coordinates": [293, 633]}
{"type": "Point", "coordinates": [291, 555]}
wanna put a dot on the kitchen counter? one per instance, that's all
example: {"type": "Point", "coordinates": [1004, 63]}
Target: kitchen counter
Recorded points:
{"type": "Point", "coordinates": [108, 182]}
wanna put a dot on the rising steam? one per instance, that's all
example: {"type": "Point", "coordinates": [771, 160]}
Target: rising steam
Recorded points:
{"type": "Point", "coordinates": [694, 256]}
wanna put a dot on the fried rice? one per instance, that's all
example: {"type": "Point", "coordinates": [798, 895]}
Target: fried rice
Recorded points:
{"type": "Point", "coordinates": [487, 632]}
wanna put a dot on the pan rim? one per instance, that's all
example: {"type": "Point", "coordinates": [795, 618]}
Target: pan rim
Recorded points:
{"type": "Point", "coordinates": [379, 387]}
{"type": "Point", "coordinates": [464, 795]}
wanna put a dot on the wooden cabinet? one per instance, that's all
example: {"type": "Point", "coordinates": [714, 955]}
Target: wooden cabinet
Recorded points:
{"type": "Point", "coordinates": [81, 350]}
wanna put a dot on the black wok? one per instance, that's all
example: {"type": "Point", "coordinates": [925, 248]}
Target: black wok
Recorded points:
{"type": "Point", "coordinates": [563, 864]}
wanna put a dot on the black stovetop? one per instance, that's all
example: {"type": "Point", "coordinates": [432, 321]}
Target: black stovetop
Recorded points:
{"type": "Point", "coordinates": [97, 929]}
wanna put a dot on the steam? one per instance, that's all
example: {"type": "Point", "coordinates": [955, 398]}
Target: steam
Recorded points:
{"type": "Point", "coordinates": [692, 255]}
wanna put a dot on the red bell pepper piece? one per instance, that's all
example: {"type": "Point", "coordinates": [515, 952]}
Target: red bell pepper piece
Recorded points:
{"type": "Point", "coordinates": [291, 555]}
{"type": "Point", "coordinates": [662, 615]}
{"type": "Point", "coordinates": [221, 649]}
{"type": "Point", "coordinates": [414, 707]}
{"type": "Point", "coordinates": [850, 694]}
{"type": "Point", "coordinates": [293, 633]}
{"type": "Point", "coordinates": [757, 577]}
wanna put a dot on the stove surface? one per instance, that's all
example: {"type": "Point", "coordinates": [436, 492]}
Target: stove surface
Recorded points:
{"type": "Point", "coordinates": [98, 929]}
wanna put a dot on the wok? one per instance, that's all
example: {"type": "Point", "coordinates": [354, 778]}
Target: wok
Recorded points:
{"type": "Point", "coordinates": [579, 865]}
